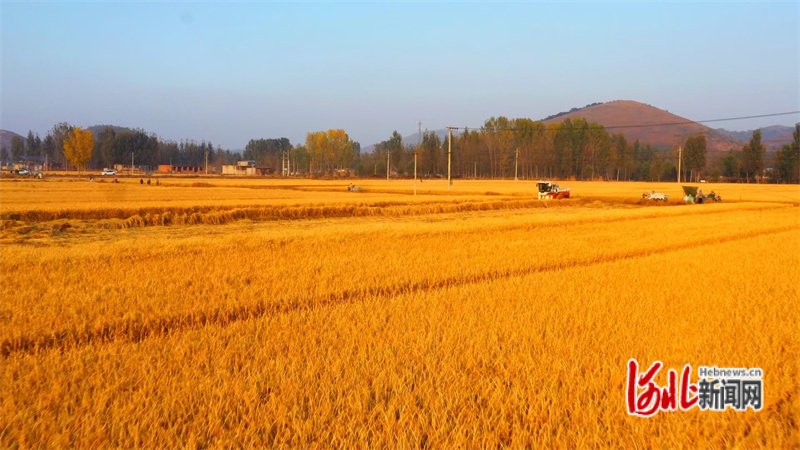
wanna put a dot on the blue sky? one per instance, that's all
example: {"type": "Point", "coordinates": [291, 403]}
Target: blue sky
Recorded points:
{"type": "Point", "coordinates": [231, 72]}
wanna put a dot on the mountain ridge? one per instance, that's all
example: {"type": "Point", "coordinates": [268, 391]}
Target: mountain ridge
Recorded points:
{"type": "Point", "coordinates": [773, 137]}
{"type": "Point", "coordinates": [6, 136]}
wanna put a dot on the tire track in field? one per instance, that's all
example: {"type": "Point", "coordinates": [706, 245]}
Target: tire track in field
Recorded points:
{"type": "Point", "coordinates": [218, 215]}
{"type": "Point", "coordinates": [571, 222]}
{"type": "Point", "coordinates": [136, 331]}
{"type": "Point", "coordinates": [285, 212]}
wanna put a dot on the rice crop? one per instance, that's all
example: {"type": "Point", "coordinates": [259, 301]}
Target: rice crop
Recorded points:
{"type": "Point", "coordinates": [311, 317]}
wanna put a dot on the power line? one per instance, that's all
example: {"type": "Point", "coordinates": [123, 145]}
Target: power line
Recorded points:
{"type": "Point", "coordinates": [659, 154]}
{"type": "Point", "coordinates": [686, 122]}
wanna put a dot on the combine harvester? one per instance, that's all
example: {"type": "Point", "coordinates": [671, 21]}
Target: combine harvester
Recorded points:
{"type": "Point", "coordinates": [548, 190]}
{"type": "Point", "coordinates": [354, 188]}
{"type": "Point", "coordinates": [653, 195]}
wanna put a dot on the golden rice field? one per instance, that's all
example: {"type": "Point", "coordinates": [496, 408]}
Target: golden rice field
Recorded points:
{"type": "Point", "coordinates": [208, 313]}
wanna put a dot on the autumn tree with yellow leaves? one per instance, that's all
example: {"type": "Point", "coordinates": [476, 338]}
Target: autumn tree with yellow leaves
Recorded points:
{"type": "Point", "coordinates": [78, 147]}
{"type": "Point", "coordinates": [329, 150]}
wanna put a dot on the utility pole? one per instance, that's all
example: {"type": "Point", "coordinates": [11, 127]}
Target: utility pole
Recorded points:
{"type": "Point", "coordinates": [131, 163]}
{"type": "Point", "coordinates": [206, 162]}
{"type": "Point", "coordinates": [419, 144]}
{"type": "Point", "coordinates": [415, 172]}
{"type": "Point", "coordinates": [449, 156]}
{"type": "Point", "coordinates": [516, 156]}
{"type": "Point", "coordinates": [680, 157]}
{"type": "Point", "coordinates": [387, 164]}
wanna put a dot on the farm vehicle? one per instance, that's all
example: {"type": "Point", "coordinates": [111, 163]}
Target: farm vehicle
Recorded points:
{"type": "Point", "coordinates": [28, 173]}
{"type": "Point", "coordinates": [653, 195]}
{"type": "Point", "coordinates": [549, 190]}
{"type": "Point", "coordinates": [695, 195]}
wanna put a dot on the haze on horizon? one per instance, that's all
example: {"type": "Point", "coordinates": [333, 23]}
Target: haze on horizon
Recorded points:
{"type": "Point", "coordinates": [228, 73]}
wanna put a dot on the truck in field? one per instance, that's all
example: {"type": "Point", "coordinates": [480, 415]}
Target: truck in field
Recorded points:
{"type": "Point", "coordinates": [548, 190]}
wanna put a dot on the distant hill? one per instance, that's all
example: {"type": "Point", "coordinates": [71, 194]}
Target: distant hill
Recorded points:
{"type": "Point", "coordinates": [774, 136]}
{"type": "Point", "coordinates": [776, 142]}
{"type": "Point", "coordinates": [6, 137]}
{"type": "Point", "coordinates": [658, 129]}
{"type": "Point", "coordinates": [564, 113]}
{"type": "Point", "coordinates": [766, 132]}
{"type": "Point", "coordinates": [618, 116]}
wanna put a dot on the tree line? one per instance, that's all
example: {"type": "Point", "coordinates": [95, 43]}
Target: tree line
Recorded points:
{"type": "Point", "coordinates": [501, 148]}
{"type": "Point", "coordinates": [750, 164]}
{"type": "Point", "coordinates": [505, 148]}
{"type": "Point", "coordinates": [578, 149]}
{"type": "Point", "coordinates": [113, 145]}
{"type": "Point", "coordinates": [324, 151]}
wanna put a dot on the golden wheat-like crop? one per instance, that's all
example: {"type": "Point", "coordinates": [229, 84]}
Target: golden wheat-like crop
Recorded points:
{"type": "Point", "coordinates": [441, 321]}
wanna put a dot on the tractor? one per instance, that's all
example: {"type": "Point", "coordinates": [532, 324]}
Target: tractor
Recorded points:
{"type": "Point", "coordinates": [694, 195]}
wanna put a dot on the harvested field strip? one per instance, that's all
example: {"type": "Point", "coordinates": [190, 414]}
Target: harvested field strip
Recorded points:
{"type": "Point", "coordinates": [217, 215]}
{"type": "Point", "coordinates": [134, 218]}
{"type": "Point", "coordinates": [590, 213]}
{"type": "Point", "coordinates": [628, 217]}
{"type": "Point", "coordinates": [130, 331]}
{"type": "Point", "coordinates": [423, 189]}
